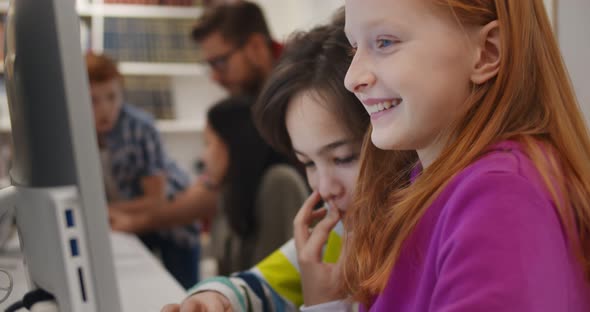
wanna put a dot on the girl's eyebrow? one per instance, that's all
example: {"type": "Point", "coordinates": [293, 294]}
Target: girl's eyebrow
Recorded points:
{"type": "Point", "coordinates": [334, 145]}
{"type": "Point", "coordinates": [373, 23]}
{"type": "Point", "coordinates": [329, 147]}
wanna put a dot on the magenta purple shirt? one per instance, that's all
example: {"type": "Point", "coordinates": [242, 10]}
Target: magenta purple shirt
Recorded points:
{"type": "Point", "coordinates": [491, 241]}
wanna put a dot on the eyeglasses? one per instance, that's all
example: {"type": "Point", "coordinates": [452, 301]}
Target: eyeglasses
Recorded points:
{"type": "Point", "coordinates": [219, 63]}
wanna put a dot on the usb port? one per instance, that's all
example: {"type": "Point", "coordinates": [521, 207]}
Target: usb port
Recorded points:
{"type": "Point", "coordinates": [74, 247]}
{"type": "Point", "coordinates": [69, 218]}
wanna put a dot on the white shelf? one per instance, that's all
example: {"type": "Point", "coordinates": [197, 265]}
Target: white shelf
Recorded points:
{"type": "Point", "coordinates": [164, 126]}
{"type": "Point", "coordinates": [179, 126]}
{"type": "Point", "coordinates": [84, 10]}
{"type": "Point", "coordinates": [144, 11]}
{"type": "Point", "coordinates": [164, 69]}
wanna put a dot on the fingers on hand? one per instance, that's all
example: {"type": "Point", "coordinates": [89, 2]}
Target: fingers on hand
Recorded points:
{"type": "Point", "coordinates": [303, 219]}
{"type": "Point", "coordinates": [320, 234]}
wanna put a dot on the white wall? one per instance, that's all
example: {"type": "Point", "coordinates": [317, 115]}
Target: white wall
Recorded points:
{"type": "Point", "coordinates": [285, 16]}
{"type": "Point", "coordinates": [573, 30]}
{"type": "Point", "coordinates": [184, 148]}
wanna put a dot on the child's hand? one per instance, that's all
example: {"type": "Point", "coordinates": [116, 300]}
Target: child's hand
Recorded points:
{"type": "Point", "coordinates": [320, 281]}
{"type": "Point", "coordinates": [208, 301]}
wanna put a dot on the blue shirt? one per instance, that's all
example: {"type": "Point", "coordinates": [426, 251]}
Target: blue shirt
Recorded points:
{"type": "Point", "coordinates": [135, 151]}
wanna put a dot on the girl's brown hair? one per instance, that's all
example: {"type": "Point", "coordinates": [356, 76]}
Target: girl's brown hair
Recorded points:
{"type": "Point", "coordinates": [316, 62]}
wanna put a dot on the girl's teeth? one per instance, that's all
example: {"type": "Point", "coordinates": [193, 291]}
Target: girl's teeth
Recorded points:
{"type": "Point", "coordinates": [382, 106]}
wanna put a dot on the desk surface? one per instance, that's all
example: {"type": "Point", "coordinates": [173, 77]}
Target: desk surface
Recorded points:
{"type": "Point", "coordinates": [144, 284]}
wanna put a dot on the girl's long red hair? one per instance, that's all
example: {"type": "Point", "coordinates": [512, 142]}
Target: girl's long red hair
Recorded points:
{"type": "Point", "coordinates": [531, 100]}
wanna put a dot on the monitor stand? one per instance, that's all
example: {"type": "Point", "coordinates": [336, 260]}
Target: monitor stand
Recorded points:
{"type": "Point", "coordinates": [51, 231]}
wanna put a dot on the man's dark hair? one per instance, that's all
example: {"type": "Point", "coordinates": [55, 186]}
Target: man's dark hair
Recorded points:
{"type": "Point", "coordinates": [236, 22]}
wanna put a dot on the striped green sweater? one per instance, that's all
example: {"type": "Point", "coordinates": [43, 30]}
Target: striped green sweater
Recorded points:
{"type": "Point", "coordinates": [274, 284]}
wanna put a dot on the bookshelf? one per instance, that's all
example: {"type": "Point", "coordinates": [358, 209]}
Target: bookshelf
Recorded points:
{"type": "Point", "coordinates": [192, 91]}
{"type": "Point", "coordinates": [151, 42]}
{"type": "Point", "coordinates": [164, 73]}
{"type": "Point", "coordinates": [131, 34]}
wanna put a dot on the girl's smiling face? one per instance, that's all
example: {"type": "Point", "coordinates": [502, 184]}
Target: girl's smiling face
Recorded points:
{"type": "Point", "coordinates": [411, 69]}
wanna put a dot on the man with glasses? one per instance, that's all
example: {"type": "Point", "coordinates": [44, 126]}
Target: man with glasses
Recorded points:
{"type": "Point", "coordinates": [235, 41]}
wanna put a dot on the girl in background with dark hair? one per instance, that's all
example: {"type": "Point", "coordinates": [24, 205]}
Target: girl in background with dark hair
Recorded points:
{"type": "Point", "coordinates": [260, 194]}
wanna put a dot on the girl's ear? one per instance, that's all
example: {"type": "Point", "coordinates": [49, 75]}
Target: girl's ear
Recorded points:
{"type": "Point", "coordinates": [489, 53]}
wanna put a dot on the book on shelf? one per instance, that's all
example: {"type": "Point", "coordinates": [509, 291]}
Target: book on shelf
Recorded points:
{"type": "Point", "coordinates": [150, 40]}
{"type": "Point", "coordinates": [150, 94]}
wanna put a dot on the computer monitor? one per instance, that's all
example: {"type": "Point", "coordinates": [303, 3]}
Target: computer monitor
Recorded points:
{"type": "Point", "coordinates": [57, 184]}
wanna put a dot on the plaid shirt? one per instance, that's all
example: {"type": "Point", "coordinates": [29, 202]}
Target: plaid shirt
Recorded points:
{"type": "Point", "coordinates": [135, 151]}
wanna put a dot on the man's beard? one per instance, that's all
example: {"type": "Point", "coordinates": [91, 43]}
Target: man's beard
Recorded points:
{"type": "Point", "coordinates": [253, 84]}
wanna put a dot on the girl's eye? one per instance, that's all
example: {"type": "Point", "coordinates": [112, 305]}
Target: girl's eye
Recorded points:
{"type": "Point", "coordinates": [384, 43]}
{"type": "Point", "coordinates": [346, 160]}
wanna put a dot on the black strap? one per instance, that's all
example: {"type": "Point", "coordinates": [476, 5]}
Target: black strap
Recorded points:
{"type": "Point", "coordinates": [30, 299]}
